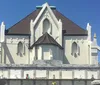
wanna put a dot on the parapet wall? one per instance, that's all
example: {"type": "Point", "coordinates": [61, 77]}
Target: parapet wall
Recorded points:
{"type": "Point", "coordinates": [49, 70]}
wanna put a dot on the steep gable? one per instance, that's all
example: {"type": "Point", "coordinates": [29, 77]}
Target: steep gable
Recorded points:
{"type": "Point", "coordinates": [45, 39]}
{"type": "Point", "coordinates": [69, 27]}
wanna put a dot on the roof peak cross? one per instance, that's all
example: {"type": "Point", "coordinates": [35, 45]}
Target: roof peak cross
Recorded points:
{"type": "Point", "coordinates": [40, 7]}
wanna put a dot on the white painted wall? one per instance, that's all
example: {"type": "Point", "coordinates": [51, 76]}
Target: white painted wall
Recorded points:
{"type": "Point", "coordinates": [41, 74]}
{"type": "Point", "coordinates": [12, 41]}
{"type": "Point", "coordinates": [5, 73]}
{"type": "Point", "coordinates": [82, 41]}
{"type": "Point", "coordinates": [79, 74]}
{"type": "Point", "coordinates": [29, 72]}
{"type": "Point", "coordinates": [55, 28]}
{"type": "Point", "coordinates": [92, 72]}
{"type": "Point", "coordinates": [39, 52]}
{"type": "Point", "coordinates": [15, 74]}
{"type": "Point", "coordinates": [54, 74]}
{"type": "Point", "coordinates": [48, 73]}
{"type": "Point", "coordinates": [10, 50]}
{"type": "Point", "coordinates": [67, 74]}
{"type": "Point", "coordinates": [50, 52]}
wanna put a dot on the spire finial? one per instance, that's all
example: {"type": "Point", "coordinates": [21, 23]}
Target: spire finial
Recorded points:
{"type": "Point", "coordinates": [88, 26]}
{"type": "Point", "coordinates": [2, 23]}
{"type": "Point", "coordinates": [95, 35]}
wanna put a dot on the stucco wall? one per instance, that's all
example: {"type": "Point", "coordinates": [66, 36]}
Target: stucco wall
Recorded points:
{"type": "Point", "coordinates": [54, 74]}
{"type": "Point", "coordinates": [83, 57]}
{"type": "Point", "coordinates": [41, 74]}
{"type": "Point", "coordinates": [67, 74]}
{"type": "Point", "coordinates": [54, 26]}
{"type": "Point", "coordinates": [29, 72]}
{"type": "Point", "coordinates": [49, 52]}
{"type": "Point", "coordinates": [15, 74]}
{"type": "Point", "coordinates": [80, 74]}
{"type": "Point", "coordinates": [9, 52]}
{"type": "Point", "coordinates": [49, 73]}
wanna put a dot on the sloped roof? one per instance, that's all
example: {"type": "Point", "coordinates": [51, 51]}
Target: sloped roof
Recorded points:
{"type": "Point", "coordinates": [23, 26]}
{"type": "Point", "coordinates": [46, 39]}
{"type": "Point", "coordinates": [69, 27]}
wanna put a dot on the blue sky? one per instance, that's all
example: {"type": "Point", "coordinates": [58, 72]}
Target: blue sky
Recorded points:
{"type": "Point", "coordinates": [79, 11]}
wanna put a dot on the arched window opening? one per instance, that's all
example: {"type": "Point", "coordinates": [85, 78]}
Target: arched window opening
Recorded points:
{"type": "Point", "coordinates": [47, 26]}
{"type": "Point", "coordinates": [20, 49]}
{"type": "Point", "coordinates": [75, 49]}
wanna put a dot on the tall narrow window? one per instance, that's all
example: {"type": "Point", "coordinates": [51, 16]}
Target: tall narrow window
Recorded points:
{"type": "Point", "coordinates": [46, 26]}
{"type": "Point", "coordinates": [75, 49]}
{"type": "Point", "coordinates": [20, 49]}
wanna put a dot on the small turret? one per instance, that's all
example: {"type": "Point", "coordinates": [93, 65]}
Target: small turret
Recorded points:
{"type": "Point", "coordinates": [95, 35]}
{"type": "Point", "coordinates": [94, 43]}
{"type": "Point", "coordinates": [94, 50]}
{"type": "Point", "coordinates": [89, 31]}
{"type": "Point", "coordinates": [2, 32]}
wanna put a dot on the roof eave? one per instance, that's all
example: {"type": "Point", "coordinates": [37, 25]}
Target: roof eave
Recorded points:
{"type": "Point", "coordinates": [75, 34]}
{"type": "Point", "coordinates": [18, 34]}
{"type": "Point", "coordinates": [31, 47]}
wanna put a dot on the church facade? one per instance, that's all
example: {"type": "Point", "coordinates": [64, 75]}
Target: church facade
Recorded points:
{"type": "Point", "coordinates": [46, 34]}
{"type": "Point", "coordinates": [46, 44]}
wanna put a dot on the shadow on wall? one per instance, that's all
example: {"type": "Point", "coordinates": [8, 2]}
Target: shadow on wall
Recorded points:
{"type": "Point", "coordinates": [8, 54]}
{"type": "Point", "coordinates": [65, 60]}
{"type": "Point", "coordinates": [3, 82]}
{"type": "Point", "coordinates": [45, 82]}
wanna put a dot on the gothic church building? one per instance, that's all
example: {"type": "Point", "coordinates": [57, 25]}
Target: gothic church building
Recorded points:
{"type": "Point", "coordinates": [46, 38]}
{"type": "Point", "coordinates": [46, 34]}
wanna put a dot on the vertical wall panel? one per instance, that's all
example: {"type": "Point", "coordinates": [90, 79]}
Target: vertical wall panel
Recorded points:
{"type": "Point", "coordinates": [27, 82]}
{"type": "Point", "coordinates": [79, 82]}
{"type": "Point", "coordinates": [41, 74]}
{"type": "Point", "coordinates": [67, 74]}
{"type": "Point", "coordinates": [30, 73]}
{"type": "Point", "coordinates": [66, 82]}
{"type": "Point", "coordinates": [41, 82]}
{"type": "Point", "coordinates": [15, 82]}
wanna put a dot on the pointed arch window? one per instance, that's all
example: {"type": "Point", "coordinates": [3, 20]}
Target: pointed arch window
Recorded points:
{"type": "Point", "coordinates": [47, 26]}
{"type": "Point", "coordinates": [20, 48]}
{"type": "Point", "coordinates": [75, 49]}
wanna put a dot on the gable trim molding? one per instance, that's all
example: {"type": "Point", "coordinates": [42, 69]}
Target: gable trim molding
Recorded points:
{"type": "Point", "coordinates": [41, 12]}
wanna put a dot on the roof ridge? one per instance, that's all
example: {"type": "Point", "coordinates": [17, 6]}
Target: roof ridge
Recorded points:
{"type": "Point", "coordinates": [51, 38]}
